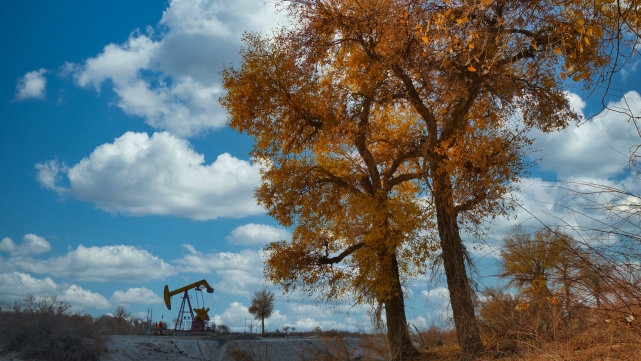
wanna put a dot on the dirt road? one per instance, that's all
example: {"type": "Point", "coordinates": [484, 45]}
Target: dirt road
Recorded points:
{"type": "Point", "coordinates": [229, 348]}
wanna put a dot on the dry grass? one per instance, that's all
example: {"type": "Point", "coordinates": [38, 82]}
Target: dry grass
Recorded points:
{"type": "Point", "coordinates": [540, 332]}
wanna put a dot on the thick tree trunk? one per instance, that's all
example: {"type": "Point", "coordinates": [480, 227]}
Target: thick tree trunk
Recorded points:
{"type": "Point", "coordinates": [262, 321]}
{"type": "Point", "coordinates": [397, 333]}
{"type": "Point", "coordinates": [467, 330]}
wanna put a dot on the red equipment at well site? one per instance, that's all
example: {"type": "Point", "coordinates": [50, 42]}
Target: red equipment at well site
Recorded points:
{"type": "Point", "coordinates": [197, 322]}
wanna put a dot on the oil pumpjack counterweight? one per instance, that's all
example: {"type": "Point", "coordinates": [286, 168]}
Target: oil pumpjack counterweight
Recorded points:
{"type": "Point", "coordinates": [198, 321]}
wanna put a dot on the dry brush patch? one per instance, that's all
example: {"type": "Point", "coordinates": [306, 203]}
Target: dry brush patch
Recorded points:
{"type": "Point", "coordinates": [44, 329]}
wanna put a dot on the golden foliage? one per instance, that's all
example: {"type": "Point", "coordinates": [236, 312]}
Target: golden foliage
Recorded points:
{"type": "Point", "coordinates": [374, 117]}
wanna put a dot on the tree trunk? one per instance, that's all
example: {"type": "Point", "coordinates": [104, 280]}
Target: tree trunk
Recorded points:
{"type": "Point", "coordinates": [566, 286]}
{"type": "Point", "coordinates": [401, 346]}
{"type": "Point", "coordinates": [262, 322]}
{"type": "Point", "coordinates": [467, 330]}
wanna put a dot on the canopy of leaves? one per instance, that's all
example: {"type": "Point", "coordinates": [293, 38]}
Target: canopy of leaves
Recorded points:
{"type": "Point", "coordinates": [373, 117]}
{"type": "Point", "coordinates": [262, 304]}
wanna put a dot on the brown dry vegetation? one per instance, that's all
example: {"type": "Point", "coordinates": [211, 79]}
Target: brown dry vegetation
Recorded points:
{"type": "Point", "coordinates": [45, 329]}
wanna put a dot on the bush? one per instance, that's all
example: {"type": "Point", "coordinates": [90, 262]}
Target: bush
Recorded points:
{"type": "Point", "coordinates": [45, 330]}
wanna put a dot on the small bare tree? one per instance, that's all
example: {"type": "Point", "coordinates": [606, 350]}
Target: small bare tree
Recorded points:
{"type": "Point", "coordinates": [262, 306]}
{"type": "Point", "coordinates": [122, 317]}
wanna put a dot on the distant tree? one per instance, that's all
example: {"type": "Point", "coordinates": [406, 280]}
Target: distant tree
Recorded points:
{"type": "Point", "coordinates": [223, 329]}
{"type": "Point", "coordinates": [105, 325]}
{"type": "Point", "coordinates": [121, 317]}
{"type": "Point", "coordinates": [262, 306]}
{"type": "Point", "coordinates": [545, 264]}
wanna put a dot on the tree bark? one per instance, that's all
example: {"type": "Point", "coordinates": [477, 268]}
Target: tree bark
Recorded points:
{"type": "Point", "coordinates": [467, 330]}
{"type": "Point", "coordinates": [262, 321]}
{"type": "Point", "coordinates": [401, 346]}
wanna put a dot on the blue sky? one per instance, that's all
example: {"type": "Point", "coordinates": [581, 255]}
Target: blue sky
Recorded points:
{"type": "Point", "coordinates": [119, 175]}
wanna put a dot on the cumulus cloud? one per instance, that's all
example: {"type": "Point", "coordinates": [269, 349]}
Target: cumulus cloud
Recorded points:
{"type": "Point", "coordinates": [82, 298]}
{"type": "Point", "coordinates": [236, 273]}
{"type": "Point", "coordinates": [7, 245]}
{"type": "Point", "coordinates": [252, 234]}
{"type": "Point", "coordinates": [120, 63]}
{"type": "Point", "coordinates": [48, 174]}
{"type": "Point", "coordinates": [17, 285]}
{"type": "Point", "coordinates": [234, 316]}
{"type": "Point", "coordinates": [593, 153]}
{"type": "Point", "coordinates": [159, 175]}
{"type": "Point", "coordinates": [437, 300]}
{"type": "Point", "coordinates": [172, 80]}
{"type": "Point", "coordinates": [31, 85]}
{"type": "Point", "coordinates": [598, 148]}
{"type": "Point", "coordinates": [185, 108]}
{"type": "Point", "coordinates": [32, 244]}
{"type": "Point", "coordinates": [141, 295]}
{"type": "Point", "coordinates": [103, 264]}
{"type": "Point", "coordinates": [305, 316]}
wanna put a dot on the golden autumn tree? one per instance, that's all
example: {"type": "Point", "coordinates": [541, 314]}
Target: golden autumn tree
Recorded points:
{"type": "Point", "coordinates": [362, 98]}
{"type": "Point", "coordinates": [341, 165]}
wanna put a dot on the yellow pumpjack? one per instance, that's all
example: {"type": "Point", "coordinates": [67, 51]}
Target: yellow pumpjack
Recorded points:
{"type": "Point", "coordinates": [198, 321]}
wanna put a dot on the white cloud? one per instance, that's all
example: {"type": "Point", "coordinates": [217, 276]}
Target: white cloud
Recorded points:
{"type": "Point", "coordinates": [598, 148]}
{"type": "Point", "coordinates": [7, 245]}
{"type": "Point", "coordinates": [257, 235]}
{"type": "Point", "coordinates": [120, 63]}
{"type": "Point", "coordinates": [576, 103]}
{"type": "Point", "coordinates": [160, 175]}
{"type": "Point", "coordinates": [81, 298]}
{"type": "Point", "coordinates": [184, 108]}
{"type": "Point", "coordinates": [31, 85]}
{"type": "Point", "coordinates": [238, 318]}
{"type": "Point", "coordinates": [306, 316]}
{"type": "Point", "coordinates": [233, 317]}
{"type": "Point", "coordinates": [17, 285]}
{"type": "Point", "coordinates": [49, 174]}
{"type": "Point", "coordinates": [141, 295]}
{"type": "Point", "coordinates": [173, 81]}
{"type": "Point", "coordinates": [220, 18]}
{"type": "Point", "coordinates": [32, 244]}
{"type": "Point", "coordinates": [103, 264]}
{"type": "Point", "coordinates": [437, 300]}
{"type": "Point", "coordinates": [236, 273]}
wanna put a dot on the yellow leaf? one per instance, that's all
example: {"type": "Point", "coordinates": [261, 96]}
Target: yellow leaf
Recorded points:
{"type": "Point", "coordinates": [425, 39]}
{"type": "Point", "coordinates": [557, 51]}
{"type": "Point", "coordinates": [462, 20]}
{"type": "Point", "coordinates": [486, 2]}
{"type": "Point", "coordinates": [471, 46]}
{"type": "Point", "coordinates": [563, 76]}
{"type": "Point", "coordinates": [471, 68]}
{"type": "Point", "coordinates": [587, 41]}
{"type": "Point", "coordinates": [589, 31]}
{"type": "Point", "coordinates": [576, 78]}
{"type": "Point", "coordinates": [405, 14]}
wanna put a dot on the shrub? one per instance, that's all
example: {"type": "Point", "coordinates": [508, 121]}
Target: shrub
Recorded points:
{"type": "Point", "coordinates": [43, 329]}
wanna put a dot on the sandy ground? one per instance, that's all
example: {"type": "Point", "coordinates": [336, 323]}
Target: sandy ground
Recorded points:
{"type": "Point", "coordinates": [239, 348]}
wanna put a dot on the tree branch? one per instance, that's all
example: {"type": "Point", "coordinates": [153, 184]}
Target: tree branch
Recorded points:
{"type": "Point", "coordinates": [341, 256]}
